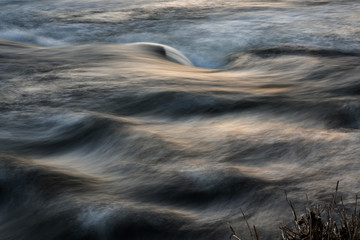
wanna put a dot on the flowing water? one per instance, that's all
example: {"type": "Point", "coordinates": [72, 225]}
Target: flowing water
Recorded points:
{"type": "Point", "coordinates": [102, 138]}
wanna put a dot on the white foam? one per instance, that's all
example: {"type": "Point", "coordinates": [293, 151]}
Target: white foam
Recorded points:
{"type": "Point", "coordinates": [171, 53]}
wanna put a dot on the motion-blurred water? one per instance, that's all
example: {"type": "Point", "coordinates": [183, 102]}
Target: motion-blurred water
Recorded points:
{"type": "Point", "coordinates": [104, 139]}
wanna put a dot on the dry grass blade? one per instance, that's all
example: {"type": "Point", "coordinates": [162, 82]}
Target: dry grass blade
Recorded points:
{"type": "Point", "coordinates": [330, 220]}
{"type": "Point", "coordinates": [252, 236]}
{"type": "Point", "coordinates": [233, 233]}
{"type": "Point", "coordinates": [354, 219]}
{"type": "Point", "coordinates": [291, 205]}
{"type": "Point", "coordinates": [256, 234]}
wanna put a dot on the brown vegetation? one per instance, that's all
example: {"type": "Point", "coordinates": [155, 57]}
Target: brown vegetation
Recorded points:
{"type": "Point", "coordinates": [327, 221]}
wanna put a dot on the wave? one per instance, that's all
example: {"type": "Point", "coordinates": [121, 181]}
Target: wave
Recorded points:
{"type": "Point", "coordinates": [55, 132]}
{"type": "Point", "coordinates": [31, 37]}
{"type": "Point", "coordinates": [302, 50]}
{"type": "Point", "coordinates": [131, 141]}
{"type": "Point", "coordinates": [63, 202]}
{"type": "Point", "coordinates": [166, 52]}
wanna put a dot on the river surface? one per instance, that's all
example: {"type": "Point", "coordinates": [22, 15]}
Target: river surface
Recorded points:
{"type": "Point", "coordinates": [103, 137]}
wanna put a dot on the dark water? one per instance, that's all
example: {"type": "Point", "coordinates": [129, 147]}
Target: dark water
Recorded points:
{"type": "Point", "coordinates": [103, 139]}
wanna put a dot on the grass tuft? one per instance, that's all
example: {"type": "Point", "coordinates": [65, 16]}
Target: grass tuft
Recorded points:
{"type": "Point", "coordinates": [327, 221]}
